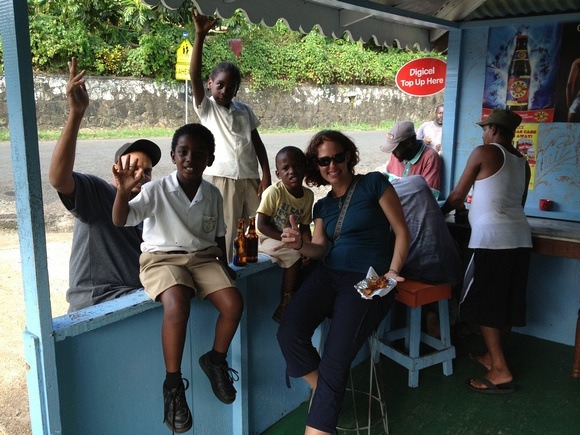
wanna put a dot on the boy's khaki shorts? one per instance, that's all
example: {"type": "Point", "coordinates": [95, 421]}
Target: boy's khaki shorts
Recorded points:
{"type": "Point", "coordinates": [285, 258]}
{"type": "Point", "coordinates": [201, 271]}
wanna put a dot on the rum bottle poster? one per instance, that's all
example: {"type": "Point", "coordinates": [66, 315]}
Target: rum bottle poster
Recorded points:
{"type": "Point", "coordinates": [521, 70]}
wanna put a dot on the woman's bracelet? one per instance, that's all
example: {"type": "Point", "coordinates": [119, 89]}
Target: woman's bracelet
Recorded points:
{"type": "Point", "coordinates": [301, 243]}
{"type": "Point", "coordinates": [394, 270]}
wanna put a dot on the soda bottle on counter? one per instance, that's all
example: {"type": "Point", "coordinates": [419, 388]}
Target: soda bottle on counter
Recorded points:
{"type": "Point", "coordinates": [519, 73]}
{"type": "Point", "coordinates": [240, 255]}
{"type": "Point", "coordinates": [252, 242]}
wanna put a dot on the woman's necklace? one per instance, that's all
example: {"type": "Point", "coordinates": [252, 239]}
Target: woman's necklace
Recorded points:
{"type": "Point", "coordinates": [344, 194]}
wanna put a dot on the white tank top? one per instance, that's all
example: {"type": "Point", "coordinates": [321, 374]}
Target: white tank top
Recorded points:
{"type": "Point", "coordinates": [496, 215]}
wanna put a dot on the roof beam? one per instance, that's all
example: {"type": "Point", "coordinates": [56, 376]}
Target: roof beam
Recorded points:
{"type": "Point", "coordinates": [348, 18]}
{"type": "Point", "coordinates": [454, 10]}
{"type": "Point", "coordinates": [388, 13]}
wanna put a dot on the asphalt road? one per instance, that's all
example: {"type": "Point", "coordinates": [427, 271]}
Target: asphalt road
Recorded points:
{"type": "Point", "coordinates": [96, 157]}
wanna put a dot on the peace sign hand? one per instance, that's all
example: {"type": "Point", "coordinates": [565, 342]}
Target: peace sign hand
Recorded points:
{"type": "Point", "coordinates": [76, 90]}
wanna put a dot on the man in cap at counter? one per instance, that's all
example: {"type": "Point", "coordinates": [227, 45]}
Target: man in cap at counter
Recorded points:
{"type": "Point", "coordinates": [494, 290]}
{"type": "Point", "coordinates": [411, 156]}
{"type": "Point", "coordinates": [104, 261]}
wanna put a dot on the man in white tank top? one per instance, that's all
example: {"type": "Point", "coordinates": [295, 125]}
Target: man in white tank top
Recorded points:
{"type": "Point", "coordinates": [494, 294]}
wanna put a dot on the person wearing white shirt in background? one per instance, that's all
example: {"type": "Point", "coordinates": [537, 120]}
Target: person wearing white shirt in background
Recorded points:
{"type": "Point", "coordinates": [430, 131]}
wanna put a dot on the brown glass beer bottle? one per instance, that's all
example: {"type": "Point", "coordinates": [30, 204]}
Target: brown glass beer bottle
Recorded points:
{"type": "Point", "coordinates": [252, 242]}
{"type": "Point", "coordinates": [240, 245]}
{"type": "Point", "coordinates": [519, 73]}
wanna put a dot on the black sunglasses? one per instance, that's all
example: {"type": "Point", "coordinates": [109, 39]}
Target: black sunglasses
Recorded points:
{"type": "Point", "coordinates": [337, 158]}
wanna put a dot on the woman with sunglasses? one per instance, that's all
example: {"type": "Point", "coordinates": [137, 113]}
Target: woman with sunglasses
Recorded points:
{"type": "Point", "coordinates": [372, 208]}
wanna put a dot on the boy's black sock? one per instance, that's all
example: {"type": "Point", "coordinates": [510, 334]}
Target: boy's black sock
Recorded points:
{"type": "Point", "coordinates": [217, 357]}
{"type": "Point", "coordinates": [172, 380]}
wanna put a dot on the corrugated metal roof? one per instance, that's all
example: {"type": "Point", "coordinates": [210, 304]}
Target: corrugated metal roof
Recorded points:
{"type": "Point", "coordinates": [515, 8]}
{"type": "Point", "coordinates": [404, 22]}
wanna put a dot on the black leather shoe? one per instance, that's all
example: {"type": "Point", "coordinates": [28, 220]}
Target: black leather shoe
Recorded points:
{"type": "Point", "coordinates": [221, 378]}
{"type": "Point", "coordinates": [176, 413]}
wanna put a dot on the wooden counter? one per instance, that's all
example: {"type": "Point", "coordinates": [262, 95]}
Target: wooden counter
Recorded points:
{"type": "Point", "coordinates": [549, 236]}
{"type": "Point", "coordinates": [553, 237]}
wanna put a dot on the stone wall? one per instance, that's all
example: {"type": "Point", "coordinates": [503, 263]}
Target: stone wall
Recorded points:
{"type": "Point", "coordinates": [127, 102]}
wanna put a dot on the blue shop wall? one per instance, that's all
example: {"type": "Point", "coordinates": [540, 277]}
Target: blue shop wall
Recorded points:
{"type": "Point", "coordinates": [110, 376]}
{"type": "Point", "coordinates": [553, 297]}
{"type": "Point", "coordinates": [557, 176]}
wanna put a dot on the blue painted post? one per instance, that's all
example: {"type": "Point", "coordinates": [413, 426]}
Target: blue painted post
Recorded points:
{"type": "Point", "coordinates": [38, 341]}
{"type": "Point", "coordinates": [239, 362]}
{"type": "Point", "coordinates": [451, 104]}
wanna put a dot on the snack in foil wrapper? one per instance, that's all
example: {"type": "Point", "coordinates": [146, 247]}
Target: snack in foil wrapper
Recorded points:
{"type": "Point", "coordinates": [374, 285]}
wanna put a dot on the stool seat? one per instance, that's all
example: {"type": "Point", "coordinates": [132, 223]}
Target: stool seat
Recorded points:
{"type": "Point", "coordinates": [415, 294]}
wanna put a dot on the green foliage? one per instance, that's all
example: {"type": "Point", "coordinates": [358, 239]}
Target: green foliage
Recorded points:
{"type": "Point", "coordinates": [129, 38]}
{"type": "Point", "coordinates": [154, 55]}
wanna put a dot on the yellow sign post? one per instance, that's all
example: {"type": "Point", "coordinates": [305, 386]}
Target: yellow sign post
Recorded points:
{"type": "Point", "coordinates": [183, 59]}
{"type": "Point", "coordinates": [182, 67]}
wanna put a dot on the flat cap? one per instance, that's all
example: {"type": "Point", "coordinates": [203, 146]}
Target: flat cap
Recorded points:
{"type": "Point", "coordinates": [400, 132]}
{"type": "Point", "coordinates": [506, 118]}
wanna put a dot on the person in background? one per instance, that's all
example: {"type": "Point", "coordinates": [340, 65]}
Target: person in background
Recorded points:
{"type": "Point", "coordinates": [285, 198]}
{"type": "Point", "coordinates": [494, 295]}
{"type": "Point", "coordinates": [411, 156]}
{"type": "Point", "coordinates": [351, 233]}
{"type": "Point", "coordinates": [430, 132]}
{"type": "Point", "coordinates": [572, 97]}
{"type": "Point", "coordinates": [104, 262]}
{"type": "Point", "coordinates": [433, 254]}
{"type": "Point", "coordinates": [234, 125]}
{"type": "Point", "coordinates": [183, 256]}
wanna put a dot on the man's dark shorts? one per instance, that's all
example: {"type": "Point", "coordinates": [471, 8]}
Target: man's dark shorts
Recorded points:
{"type": "Point", "coordinates": [495, 288]}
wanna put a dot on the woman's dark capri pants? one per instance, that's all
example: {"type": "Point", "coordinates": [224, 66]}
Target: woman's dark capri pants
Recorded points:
{"type": "Point", "coordinates": [328, 293]}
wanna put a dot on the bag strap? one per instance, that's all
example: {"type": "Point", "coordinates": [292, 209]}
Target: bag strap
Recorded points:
{"type": "Point", "coordinates": [344, 207]}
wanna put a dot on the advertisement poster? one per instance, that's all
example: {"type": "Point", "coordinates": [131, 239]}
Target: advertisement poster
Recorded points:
{"type": "Point", "coordinates": [568, 83]}
{"type": "Point", "coordinates": [522, 70]}
{"type": "Point", "coordinates": [535, 71]}
{"type": "Point", "coordinates": [526, 140]}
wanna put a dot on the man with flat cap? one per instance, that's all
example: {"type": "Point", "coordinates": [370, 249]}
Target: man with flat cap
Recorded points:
{"type": "Point", "coordinates": [104, 261]}
{"type": "Point", "coordinates": [494, 292]}
{"type": "Point", "coordinates": [412, 156]}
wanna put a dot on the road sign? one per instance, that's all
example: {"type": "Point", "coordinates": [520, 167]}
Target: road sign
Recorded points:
{"type": "Point", "coordinates": [183, 58]}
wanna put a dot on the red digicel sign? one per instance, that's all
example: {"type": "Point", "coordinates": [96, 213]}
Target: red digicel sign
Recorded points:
{"type": "Point", "coordinates": [422, 77]}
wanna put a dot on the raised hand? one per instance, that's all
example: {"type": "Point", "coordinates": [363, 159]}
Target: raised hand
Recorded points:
{"type": "Point", "coordinates": [128, 174]}
{"type": "Point", "coordinates": [203, 23]}
{"type": "Point", "coordinates": [76, 91]}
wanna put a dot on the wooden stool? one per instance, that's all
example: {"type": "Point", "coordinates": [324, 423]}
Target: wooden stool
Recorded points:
{"type": "Point", "coordinates": [414, 295]}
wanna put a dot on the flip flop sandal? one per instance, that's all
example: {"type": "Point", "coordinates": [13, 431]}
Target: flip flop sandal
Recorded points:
{"type": "Point", "coordinates": [492, 388]}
